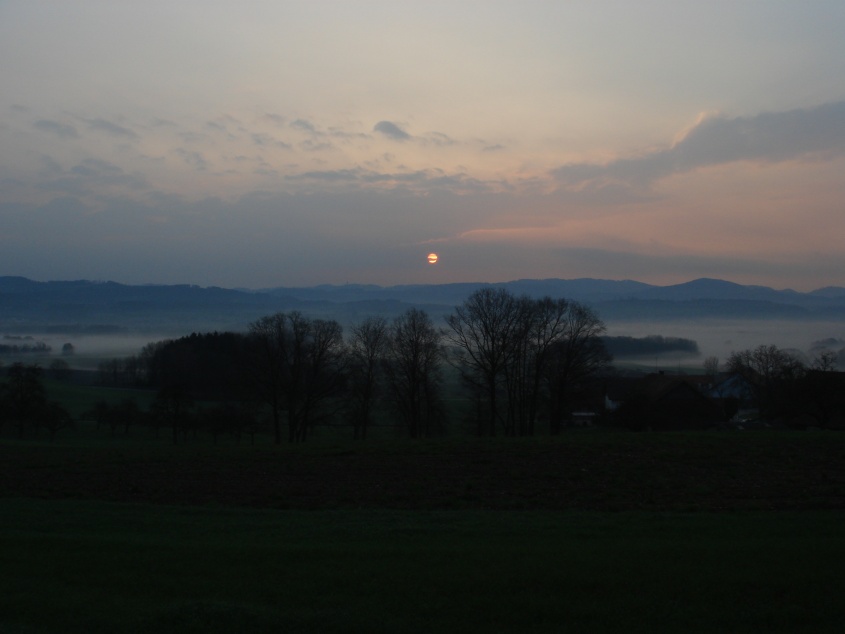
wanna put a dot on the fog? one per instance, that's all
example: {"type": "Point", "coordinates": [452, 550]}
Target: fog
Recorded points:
{"type": "Point", "coordinates": [721, 337]}
{"type": "Point", "coordinates": [714, 337]}
{"type": "Point", "coordinates": [89, 349]}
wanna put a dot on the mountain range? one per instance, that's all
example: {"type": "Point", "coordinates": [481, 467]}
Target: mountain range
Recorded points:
{"type": "Point", "coordinates": [99, 306]}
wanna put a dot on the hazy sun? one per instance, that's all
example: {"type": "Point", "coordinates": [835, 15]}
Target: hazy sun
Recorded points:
{"type": "Point", "coordinates": [432, 258]}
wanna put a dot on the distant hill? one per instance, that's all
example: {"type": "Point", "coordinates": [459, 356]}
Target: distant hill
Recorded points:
{"type": "Point", "coordinates": [28, 305]}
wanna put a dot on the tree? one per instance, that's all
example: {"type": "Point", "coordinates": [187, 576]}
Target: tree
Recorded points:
{"type": "Point", "coordinates": [518, 354]}
{"type": "Point", "coordinates": [711, 367]}
{"type": "Point", "coordinates": [483, 332]}
{"type": "Point", "coordinates": [825, 362]}
{"type": "Point", "coordinates": [575, 358]}
{"type": "Point", "coordinates": [414, 356]}
{"type": "Point", "coordinates": [23, 395]}
{"type": "Point", "coordinates": [210, 366]}
{"type": "Point", "coordinates": [772, 374]}
{"type": "Point", "coordinates": [543, 326]}
{"type": "Point", "coordinates": [124, 414]}
{"type": "Point", "coordinates": [60, 370]}
{"type": "Point", "coordinates": [172, 407]}
{"type": "Point", "coordinates": [367, 347]}
{"type": "Point", "coordinates": [53, 417]}
{"type": "Point", "coordinates": [822, 390]}
{"type": "Point", "coordinates": [298, 366]}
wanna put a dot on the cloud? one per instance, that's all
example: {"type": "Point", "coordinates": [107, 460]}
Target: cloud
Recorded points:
{"type": "Point", "coordinates": [438, 138]}
{"type": "Point", "coordinates": [421, 180]}
{"type": "Point", "coordinates": [275, 118]}
{"type": "Point", "coordinates": [391, 130]}
{"type": "Point", "coordinates": [265, 140]}
{"type": "Point", "coordinates": [341, 175]}
{"type": "Point", "coordinates": [765, 138]}
{"type": "Point", "coordinates": [102, 125]}
{"type": "Point", "coordinates": [194, 159]}
{"type": "Point", "coordinates": [59, 129]}
{"type": "Point", "coordinates": [305, 126]}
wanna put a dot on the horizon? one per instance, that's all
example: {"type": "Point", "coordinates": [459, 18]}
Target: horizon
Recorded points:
{"type": "Point", "coordinates": [257, 145]}
{"type": "Point", "coordinates": [388, 286]}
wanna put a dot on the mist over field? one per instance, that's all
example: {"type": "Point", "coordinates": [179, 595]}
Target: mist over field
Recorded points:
{"type": "Point", "coordinates": [720, 338]}
{"type": "Point", "coordinates": [714, 337]}
{"type": "Point", "coordinates": [109, 320]}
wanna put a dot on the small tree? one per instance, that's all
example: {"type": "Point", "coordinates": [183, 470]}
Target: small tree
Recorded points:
{"type": "Point", "coordinates": [173, 407]}
{"type": "Point", "coordinates": [711, 367]}
{"type": "Point", "coordinates": [53, 417]}
{"type": "Point", "coordinates": [60, 370]}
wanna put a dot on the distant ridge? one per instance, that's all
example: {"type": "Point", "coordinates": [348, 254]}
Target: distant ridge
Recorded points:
{"type": "Point", "coordinates": [25, 304]}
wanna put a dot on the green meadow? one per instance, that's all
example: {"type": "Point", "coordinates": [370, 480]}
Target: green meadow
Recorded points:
{"type": "Point", "coordinates": [89, 566]}
{"type": "Point", "coordinates": [591, 531]}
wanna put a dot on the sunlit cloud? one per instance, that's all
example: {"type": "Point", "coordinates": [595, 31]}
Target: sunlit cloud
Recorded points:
{"type": "Point", "coordinates": [715, 140]}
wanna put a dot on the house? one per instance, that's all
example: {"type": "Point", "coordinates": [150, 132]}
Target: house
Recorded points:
{"type": "Point", "coordinates": [737, 397]}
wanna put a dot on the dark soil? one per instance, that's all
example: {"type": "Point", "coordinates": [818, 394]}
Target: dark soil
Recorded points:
{"type": "Point", "coordinates": [597, 471]}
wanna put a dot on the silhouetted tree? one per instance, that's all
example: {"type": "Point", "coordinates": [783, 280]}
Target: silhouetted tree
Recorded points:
{"type": "Point", "coordinates": [822, 391]}
{"type": "Point", "coordinates": [772, 374]}
{"type": "Point", "coordinates": [483, 333]}
{"type": "Point", "coordinates": [413, 361]}
{"type": "Point", "coordinates": [209, 366]}
{"type": "Point", "coordinates": [711, 367]}
{"type": "Point", "coordinates": [114, 416]}
{"type": "Point", "coordinates": [60, 370]}
{"type": "Point", "coordinates": [173, 408]}
{"type": "Point", "coordinates": [53, 417]}
{"type": "Point", "coordinates": [367, 347]}
{"type": "Point", "coordinates": [518, 354]}
{"type": "Point", "coordinates": [576, 357]}
{"type": "Point", "coordinates": [23, 395]}
{"type": "Point", "coordinates": [298, 366]}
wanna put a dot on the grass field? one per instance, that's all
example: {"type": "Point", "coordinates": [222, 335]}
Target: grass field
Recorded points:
{"type": "Point", "coordinates": [592, 531]}
{"type": "Point", "coordinates": [89, 566]}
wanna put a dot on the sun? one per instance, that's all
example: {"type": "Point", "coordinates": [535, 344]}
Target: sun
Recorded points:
{"type": "Point", "coordinates": [432, 258]}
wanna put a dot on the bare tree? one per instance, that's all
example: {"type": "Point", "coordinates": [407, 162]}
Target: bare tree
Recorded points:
{"type": "Point", "coordinates": [298, 368]}
{"type": "Point", "coordinates": [414, 357]}
{"type": "Point", "coordinates": [825, 362]}
{"type": "Point", "coordinates": [711, 367]}
{"type": "Point", "coordinates": [484, 330]}
{"type": "Point", "coordinates": [367, 348]}
{"type": "Point", "coordinates": [544, 323]}
{"type": "Point", "coordinates": [771, 373]}
{"type": "Point", "coordinates": [267, 340]}
{"type": "Point", "coordinates": [516, 353]}
{"type": "Point", "coordinates": [575, 357]}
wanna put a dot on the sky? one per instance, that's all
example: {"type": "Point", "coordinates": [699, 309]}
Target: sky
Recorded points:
{"type": "Point", "coordinates": [286, 143]}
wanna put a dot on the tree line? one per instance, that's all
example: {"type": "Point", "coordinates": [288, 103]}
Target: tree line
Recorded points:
{"type": "Point", "coordinates": [516, 364]}
{"type": "Point", "coordinates": [518, 360]}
